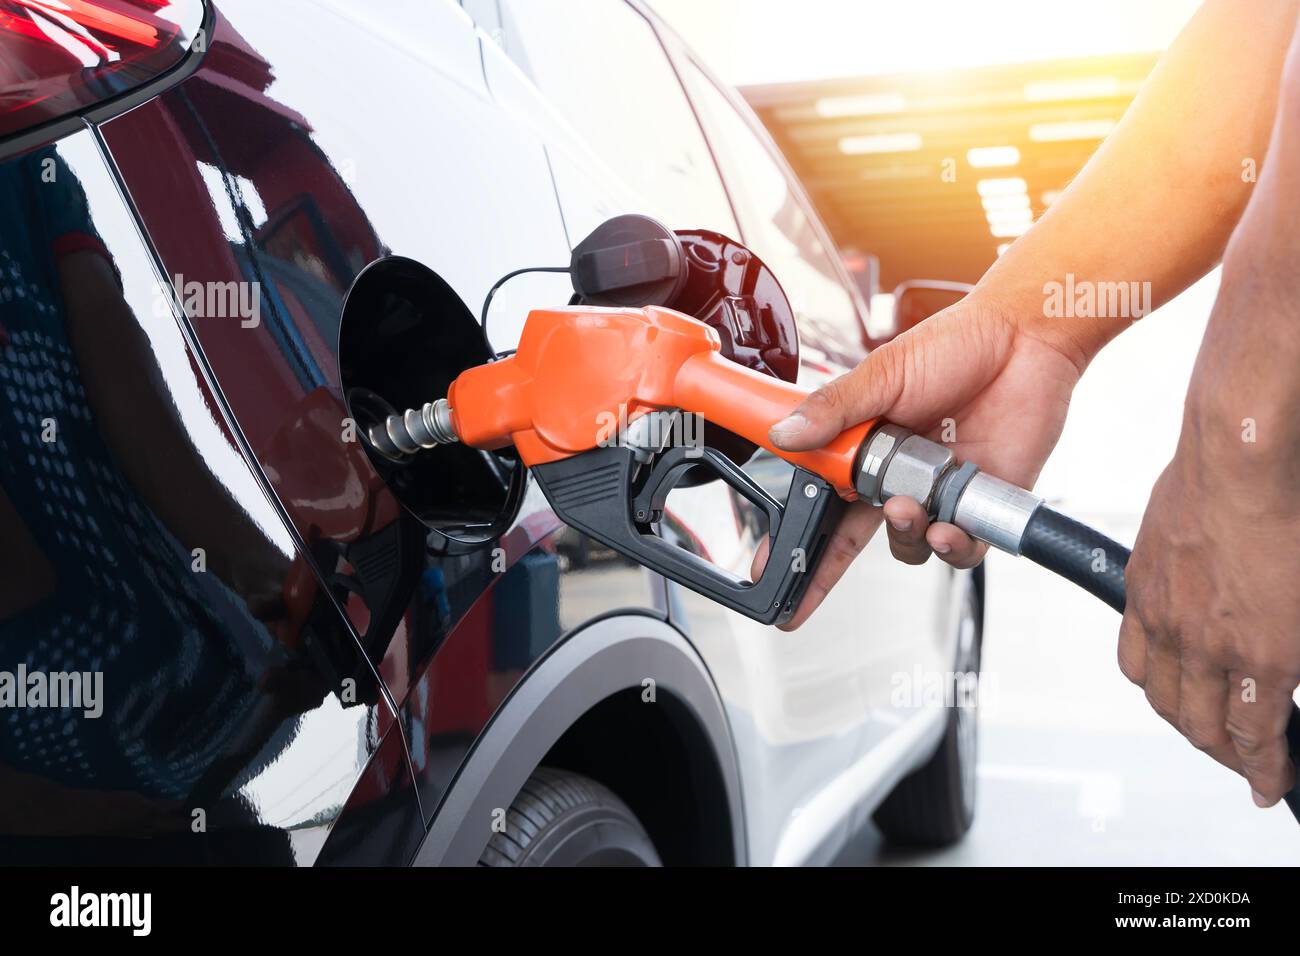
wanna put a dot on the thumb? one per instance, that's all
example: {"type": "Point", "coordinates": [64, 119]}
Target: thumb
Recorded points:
{"type": "Point", "coordinates": [869, 391]}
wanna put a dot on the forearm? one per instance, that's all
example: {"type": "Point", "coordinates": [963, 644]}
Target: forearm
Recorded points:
{"type": "Point", "coordinates": [1212, 605]}
{"type": "Point", "coordinates": [1160, 198]}
{"type": "Point", "coordinates": [1245, 392]}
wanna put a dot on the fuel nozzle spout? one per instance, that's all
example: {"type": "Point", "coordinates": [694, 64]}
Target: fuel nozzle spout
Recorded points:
{"type": "Point", "coordinates": [403, 434]}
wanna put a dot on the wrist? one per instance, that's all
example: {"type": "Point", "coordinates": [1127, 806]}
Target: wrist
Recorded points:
{"type": "Point", "coordinates": [1240, 433]}
{"type": "Point", "coordinates": [1244, 398]}
{"type": "Point", "coordinates": [1031, 311]}
{"type": "Point", "coordinates": [1071, 311]}
{"type": "Point", "coordinates": [1241, 445]}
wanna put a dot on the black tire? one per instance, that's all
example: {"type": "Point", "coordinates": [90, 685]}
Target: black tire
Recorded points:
{"type": "Point", "coordinates": [564, 819]}
{"type": "Point", "coordinates": [935, 804]}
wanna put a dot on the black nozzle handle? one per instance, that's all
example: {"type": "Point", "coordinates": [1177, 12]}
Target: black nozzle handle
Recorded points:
{"type": "Point", "coordinates": [598, 493]}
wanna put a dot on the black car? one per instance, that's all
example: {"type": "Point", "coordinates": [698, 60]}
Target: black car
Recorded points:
{"type": "Point", "coordinates": [226, 635]}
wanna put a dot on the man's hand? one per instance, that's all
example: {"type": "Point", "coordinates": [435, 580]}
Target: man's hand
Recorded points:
{"type": "Point", "coordinates": [1213, 606]}
{"type": "Point", "coordinates": [1003, 375]}
{"type": "Point", "coordinates": [971, 377]}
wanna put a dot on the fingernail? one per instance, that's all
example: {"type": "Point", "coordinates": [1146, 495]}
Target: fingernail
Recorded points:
{"type": "Point", "coordinates": [900, 525]}
{"type": "Point", "coordinates": [788, 427]}
{"type": "Point", "coordinates": [1260, 799]}
{"type": "Point", "coordinates": [941, 548]}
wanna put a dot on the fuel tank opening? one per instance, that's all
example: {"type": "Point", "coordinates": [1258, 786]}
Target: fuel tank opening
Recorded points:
{"type": "Point", "coordinates": [403, 338]}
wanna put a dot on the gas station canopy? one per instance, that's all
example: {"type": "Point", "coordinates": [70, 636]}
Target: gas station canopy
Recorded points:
{"type": "Point", "coordinates": [935, 172]}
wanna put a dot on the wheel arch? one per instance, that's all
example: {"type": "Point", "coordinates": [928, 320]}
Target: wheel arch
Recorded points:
{"type": "Point", "coordinates": [582, 706]}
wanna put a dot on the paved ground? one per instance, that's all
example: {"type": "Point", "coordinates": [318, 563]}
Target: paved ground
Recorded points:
{"type": "Point", "coordinates": [1074, 768]}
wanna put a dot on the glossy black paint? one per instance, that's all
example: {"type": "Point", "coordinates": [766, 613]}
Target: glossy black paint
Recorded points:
{"type": "Point", "coordinates": [235, 185]}
{"type": "Point", "coordinates": [139, 550]}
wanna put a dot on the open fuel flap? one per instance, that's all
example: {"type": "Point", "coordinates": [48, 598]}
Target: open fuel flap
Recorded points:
{"type": "Point", "coordinates": [404, 337]}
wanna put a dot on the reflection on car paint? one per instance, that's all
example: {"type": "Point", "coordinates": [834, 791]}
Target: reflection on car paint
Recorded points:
{"type": "Point", "coordinates": [139, 553]}
{"type": "Point", "coordinates": [234, 186]}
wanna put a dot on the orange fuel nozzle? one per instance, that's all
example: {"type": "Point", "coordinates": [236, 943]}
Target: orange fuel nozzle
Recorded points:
{"type": "Point", "coordinates": [571, 398]}
{"type": "Point", "coordinates": [580, 370]}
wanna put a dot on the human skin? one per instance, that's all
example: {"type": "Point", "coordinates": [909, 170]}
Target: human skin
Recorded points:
{"type": "Point", "coordinates": [1212, 627]}
{"type": "Point", "coordinates": [995, 364]}
{"type": "Point", "coordinates": [1210, 630]}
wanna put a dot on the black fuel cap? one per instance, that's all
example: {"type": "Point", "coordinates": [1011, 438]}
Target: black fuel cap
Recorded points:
{"type": "Point", "coordinates": [629, 260]}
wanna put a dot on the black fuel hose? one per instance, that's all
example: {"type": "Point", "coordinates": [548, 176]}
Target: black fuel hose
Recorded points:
{"type": "Point", "coordinates": [1096, 563]}
{"type": "Point", "coordinates": [1077, 553]}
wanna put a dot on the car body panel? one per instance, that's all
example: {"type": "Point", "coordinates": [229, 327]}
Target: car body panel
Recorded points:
{"type": "Point", "coordinates": [623, 652]}
{"type": "Point", "coordinates": [313, 221]}
{"type": "Point", "coordinates": [289, 160]}
{"type": "Point", "coordinates": [809, 707]}
{"type": "Point", "coordinates": [219, 738]}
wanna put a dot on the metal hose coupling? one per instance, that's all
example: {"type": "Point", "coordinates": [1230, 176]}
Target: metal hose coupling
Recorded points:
{"type": "Point", "coordinates": [894, 461]}
{"type": "Point", "coordinates": [401, 435]}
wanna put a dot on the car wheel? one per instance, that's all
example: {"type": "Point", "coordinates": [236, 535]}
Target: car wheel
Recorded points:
{"type": "Point", "coordinates": [564, 819]}
{"type": "Point", "coordinates": [935, 804]}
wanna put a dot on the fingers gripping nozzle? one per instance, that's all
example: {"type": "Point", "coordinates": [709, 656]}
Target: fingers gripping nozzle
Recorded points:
{"type": "Point", "coordinates": [893, 461]}
{"type": "Point", "coordinates": [401, 435]}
